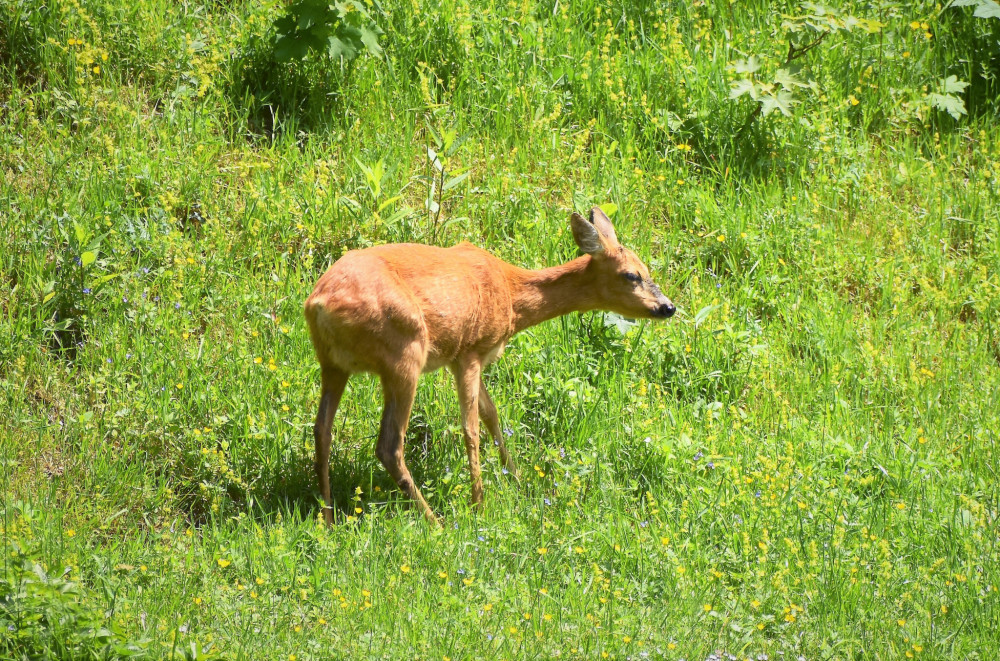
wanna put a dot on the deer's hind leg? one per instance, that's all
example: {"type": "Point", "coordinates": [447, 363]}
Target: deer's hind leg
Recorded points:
{"type": "Point", "coordinates": [488, 412]}
{"type": "Point", "coordinates": [399, 390]}
{"type": "Point", "coordinates": [467, 383]}
{"type": "Point", "coordinates": [334, 380]}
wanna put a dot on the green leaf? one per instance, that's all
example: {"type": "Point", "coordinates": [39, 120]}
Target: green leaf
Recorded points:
{"type": "Point", "coordinates": [338, 48]}
{"type": "Point", "coordinates": [62, 325]}
{"type": "Point", "coordinates": [787, 79]}
{"type": "Point", "coordinates": [987, 9]}
{"type": "Point", "coordinates": [620, 323]}
{"type": "Point", "coordinates": [88, 258]}
{"type": "Point", "coordinates": [673, 120]}
{"type": "Point", "coordinates": [455, 181]}
{"type": "Point", "coordinates": [81, 233]}
{"type": "Point", "coordinates": [749, 65]}
{"type": "Point", "coordinates": [952, 105]}
{"type": "Point", "coordinates": [48, 297]}
{"type": "Point", "coordinates": [339, 29]}
{"type": "Point", "coordinates": [703, 314]}
{"type": "Point", "coordinates": [984, 8]}
{"type": "Point", "coordinates": [818, 9]}
{"type": "Point", "coordinates": [448, 140]}
{"type": "Point", "coordinates": [609, 209]}
{"type": "Point", "coordinates": [310, 14]}
{"type": "Point", "coordinates": [453, 143]}
{"type": "Point", "coordinates": [287, 48]}
{"type": "Point", "coordinates": [782, 100]}
{"type": "Point", "coordinates": [384, 204]}
{"type": "Point", "coordinates": [398, 215]}
{"type": "Point", "coordinates": [369, 38]}
{"type": "Point", "coordinates": [744, 86]}
{"type": "Point", "coordinates": [285, 24]}
{"type": "Point", "coordinates": [103, 279]}
{"type": "Point", "coordinates": [953, 84]}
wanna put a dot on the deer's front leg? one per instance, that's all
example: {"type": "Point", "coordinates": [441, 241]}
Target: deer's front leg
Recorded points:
{"type": "Point", "coordinates": [488, 412]}
{"type": "Point", "coordinates": [467, 373]}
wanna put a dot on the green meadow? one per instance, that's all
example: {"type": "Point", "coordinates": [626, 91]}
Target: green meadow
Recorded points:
{"type": "Point", "coordinates": [802, 463]}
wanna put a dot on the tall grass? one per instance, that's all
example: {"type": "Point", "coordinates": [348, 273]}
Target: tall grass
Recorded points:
{"type": "Point", "coordinates": [802, 462]}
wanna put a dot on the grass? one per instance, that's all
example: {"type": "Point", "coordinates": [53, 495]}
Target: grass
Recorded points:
{"type": "Point", "coordinates": [802, 462]}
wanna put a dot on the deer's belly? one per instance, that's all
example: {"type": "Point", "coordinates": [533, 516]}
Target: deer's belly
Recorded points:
{"type": "Point", "coordinates": [493, 354]}
{"type": "Point", "coordinates": [488, 352]}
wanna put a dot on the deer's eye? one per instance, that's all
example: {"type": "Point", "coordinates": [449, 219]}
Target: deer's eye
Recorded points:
{"type": "Point", "coordinates": [632, 277]}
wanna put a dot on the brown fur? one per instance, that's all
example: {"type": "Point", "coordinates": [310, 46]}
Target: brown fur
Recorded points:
{"type": "Point", "coordinates": [403, 309]}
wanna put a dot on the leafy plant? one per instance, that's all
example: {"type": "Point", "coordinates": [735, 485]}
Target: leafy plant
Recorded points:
{"type": "Point", "coordinates": [23, 32]}
{"type": "Point", "coordinates": [803, 33]}
{"type": "Point", "coordinates": [984, 8]}
{"type": "Point", "coordinates": [945, 99]}
{"type": "Point", "coordinates": [341, 30]}
{"type": "Point", "coordinates": [47, 616]}
{"type": "Point", "coordinates": [440, 177]}
{"type": "Point", "coordinates": [375, 176]}
{"type": "Point", "coordinates": [66, 297]}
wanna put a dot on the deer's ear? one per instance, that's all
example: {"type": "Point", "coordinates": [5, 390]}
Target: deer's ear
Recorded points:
{"type": "Point", "coordinates": [585, 234]}
{"type": "Point", "coordinates": [600, 220]}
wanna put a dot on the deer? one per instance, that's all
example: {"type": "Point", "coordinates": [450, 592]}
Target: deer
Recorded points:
{"type": "Point", "coordinates": [401, 310]}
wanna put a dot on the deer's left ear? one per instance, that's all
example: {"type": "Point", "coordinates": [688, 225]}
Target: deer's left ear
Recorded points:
{"type": "Point", "coordinates": [586, 235]}
{"type": "Point", "coordinates": [595, 235]}
{"type": "Point", "coordinates": [602, 223]}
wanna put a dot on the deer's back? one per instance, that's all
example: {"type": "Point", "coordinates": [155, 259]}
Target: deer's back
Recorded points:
{"type": "Point", "coordinates": [376, 304]}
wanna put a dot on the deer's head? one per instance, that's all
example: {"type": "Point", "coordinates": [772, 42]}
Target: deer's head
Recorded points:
{"type": "Point", "coordinates": [620, 280]}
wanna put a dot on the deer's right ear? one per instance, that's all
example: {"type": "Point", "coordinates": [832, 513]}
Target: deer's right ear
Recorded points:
{"type": "Point", "coordinates": [585, 234]}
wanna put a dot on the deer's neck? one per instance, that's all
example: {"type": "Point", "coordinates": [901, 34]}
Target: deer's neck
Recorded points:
{"type": "Point", "coordinates": [537, 296]}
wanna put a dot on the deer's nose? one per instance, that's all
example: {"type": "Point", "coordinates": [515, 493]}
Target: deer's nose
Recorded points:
{"type": "Point", "coordinates": [664, 310]}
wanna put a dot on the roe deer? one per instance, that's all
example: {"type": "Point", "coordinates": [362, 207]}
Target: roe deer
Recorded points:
{"type": "Point", "coordinates": [403, 309]}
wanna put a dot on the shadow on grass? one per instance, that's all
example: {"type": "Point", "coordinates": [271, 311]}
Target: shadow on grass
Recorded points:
{"type": "Point", "coordinates": [295, 492]}
{"type": "Point", "coordinates": [268, 99]}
